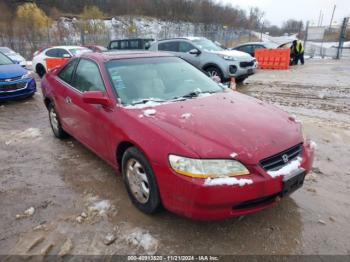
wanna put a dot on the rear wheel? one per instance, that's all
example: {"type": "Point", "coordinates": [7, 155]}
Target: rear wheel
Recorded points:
{"type": "Point", "coordinates": [55, 123]}
{"type": "Point", "coordinates": [40, 70]}
{"type": "Point", "coordinates": [140, 181]}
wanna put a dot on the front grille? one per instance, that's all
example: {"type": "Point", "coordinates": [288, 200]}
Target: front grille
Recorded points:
{"type": "Point", "coordinates": [246, 64]}
{"type": "Point", "coordinates": [276, 161]}
{"type": "Point", "coordinates": [10, 79]}
{"type": "Point", "coordinates": [12, 87]}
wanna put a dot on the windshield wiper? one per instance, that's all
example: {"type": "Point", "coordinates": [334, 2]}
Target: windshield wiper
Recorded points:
{"type": "Point", "coordinates": [144, 101]}
{"type": "Point", "coordinates": [191, 94]}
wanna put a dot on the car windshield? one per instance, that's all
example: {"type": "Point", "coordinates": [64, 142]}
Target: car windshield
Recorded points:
{"type": "Point", "coordinates": [158, 79]}
{"type": "Point", "coordinates": [79, 51]}
{"type": "Point", "coordinates": [4, 60]}
{"type": "Point", "coordinates": [271, 45]}
{"type": "Point", "coordinates": [6, 50]}
{"type": "Point", "coordinates": [207, 45]}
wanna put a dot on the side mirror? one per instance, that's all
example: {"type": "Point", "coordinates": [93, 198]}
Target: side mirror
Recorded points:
{"type": "Point", "coordinates": [195, 52]}
{"type": "Point", "coordinates": [66, 56]}
{"type": "Point", "coordinates": [96, 98]}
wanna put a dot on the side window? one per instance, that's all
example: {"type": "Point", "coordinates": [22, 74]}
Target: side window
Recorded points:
{"type": "Point", "coordinates": [124, 44]}
{"type": "Point", "coordinates": [246, 48]}
{"type": "Point", "coordinates": [185, 47]}
{"type": "Point", "coordinates": [52, 52]}
{"type": "Point", "coordinates": [87, 77]}
{"type": "Point", "coordinates": [66, 73]}
{"type": "Point", "coordinates": [114, 45]}
{"type": "Point", "coordinates": [134, 44]}
{"type": "Point", "coordinates": [62, 53]}
{"type": "Point", "coordinates": [169, 46]}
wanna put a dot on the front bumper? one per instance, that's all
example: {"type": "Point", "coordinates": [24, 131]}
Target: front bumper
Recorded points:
{"type": "Point", "coordinates": [189, 197]}
{"type": "Point", "coordinates": [28, 89]}
{"type": "Point", "coordinates": [236, 71]}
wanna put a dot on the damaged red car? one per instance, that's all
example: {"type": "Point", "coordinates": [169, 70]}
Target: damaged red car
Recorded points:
{"type": "Point", "coordinates": [180, 139]}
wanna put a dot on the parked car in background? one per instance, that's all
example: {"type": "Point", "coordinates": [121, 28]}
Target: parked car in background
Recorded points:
{"type": "Point", "coordinates": [130, 44]}
{"type": "Point", "coordinates": [15, 81]}
{"type": "Point", "coordinates": [64, 53]}
{"type": "Point", "coordinates": [96, 48]}
{"type": "Point", "coordinates": [213, 59]}
{"type": "Point", "coordinates": [180, 139]}
{"type": "Point", "coordinates": [15, 57]}
{"type": "Point", "coordinates": [250, 48]}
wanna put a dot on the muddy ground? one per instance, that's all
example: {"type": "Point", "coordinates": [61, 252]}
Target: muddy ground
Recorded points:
{"type": "Point", "coordinates": [78, 199]}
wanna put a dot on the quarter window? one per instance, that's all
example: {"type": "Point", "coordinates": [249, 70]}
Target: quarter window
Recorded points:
{"type": "Point", "coordinates": [88, 77]}
{"type": "Point", "coordinates": [67, 72]}
{"type": "Point", "coordinates": [52, 52]}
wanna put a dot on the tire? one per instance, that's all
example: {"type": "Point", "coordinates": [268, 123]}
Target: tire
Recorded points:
{"type": "Point", "coordinates": [214, 71]}
{"type": "Point", "coordinates": [240, 80]}
{"type": "Point", "coordinates": [40, 70]}
{"type": "Point", "coordinates": [55, 123]}
{"type": "Point", "coordinates": [140, 181]}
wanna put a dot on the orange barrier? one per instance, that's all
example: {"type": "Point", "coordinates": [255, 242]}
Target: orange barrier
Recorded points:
{"type": "Point", "coordinates": [273, 58]}
{"type": "Point", "coordinates": [52, 62]}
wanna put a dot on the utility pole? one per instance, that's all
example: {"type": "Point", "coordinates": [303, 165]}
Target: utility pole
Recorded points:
{"type": "Point", "coordinates": [342, 36]}
{"type": "Point", "coordinates": [319, 18]}
{"type": "Point", "coordinates": [330, 24]}
{"type": "Point", "coordinates": [306, 32]}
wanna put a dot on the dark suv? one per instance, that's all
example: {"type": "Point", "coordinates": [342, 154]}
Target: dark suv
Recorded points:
{"type": "Point", "coordinates": [130, 44]}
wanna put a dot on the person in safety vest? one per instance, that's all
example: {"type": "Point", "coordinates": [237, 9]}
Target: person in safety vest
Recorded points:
{"type": "Point", "coordinates": [297, 52]}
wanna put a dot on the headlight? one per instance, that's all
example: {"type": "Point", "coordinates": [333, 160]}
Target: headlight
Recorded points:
{"type": "Point", "coordinates": [229, 58]}
{"type": "Point", "coordinates": [27, 75]}
{"type": "Point", "coordinates": [204, 168]}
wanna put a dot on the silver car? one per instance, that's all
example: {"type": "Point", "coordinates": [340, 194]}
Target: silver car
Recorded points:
{"type": "Point", "coordinates": [15, 57]}
{"type": "Point", "coordinates": [209, 57]}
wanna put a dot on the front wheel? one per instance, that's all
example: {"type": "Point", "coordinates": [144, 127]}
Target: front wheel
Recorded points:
{"type": "Point", "coordinates": [140, 181]}
{"type": "Point", "coordinates": [56, 124]}
{"type": "Point", "coordinates": [214, 72]}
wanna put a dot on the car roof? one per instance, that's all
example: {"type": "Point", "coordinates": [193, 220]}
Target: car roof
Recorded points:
{"type": "Point", "coordinates": [116, 55]}
{"type": "Point", "coordinates": [66, 46]}
{"type": "Point", "coordinates": [123, 39]}
{"type": "Point", "coordinates": [190, 38]}
{"type": "Point", "coordinates": [253, 43]}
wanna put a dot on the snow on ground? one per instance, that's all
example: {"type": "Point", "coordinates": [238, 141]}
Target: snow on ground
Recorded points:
{"type": "Point", "coordinates": [100, 207]}
{"type": "Point", "coordinates": [287, 169]}
{"type": "Point", "coordinates": [29, 133]}
{"type": "Point", "coordinates": [229, 181]}
{"type": "Point", "coordinates": [144, 239]}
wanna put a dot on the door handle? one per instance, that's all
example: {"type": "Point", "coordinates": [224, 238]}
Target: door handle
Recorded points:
{"type": "Point", "coordinates": [68, 100]}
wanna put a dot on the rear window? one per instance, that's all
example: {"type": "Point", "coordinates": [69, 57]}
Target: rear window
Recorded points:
{"type": "Point", "coordinates": [79, 51]}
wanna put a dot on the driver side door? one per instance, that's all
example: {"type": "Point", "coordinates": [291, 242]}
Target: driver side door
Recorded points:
{"type": "Point", "coordinates": [184, 50]}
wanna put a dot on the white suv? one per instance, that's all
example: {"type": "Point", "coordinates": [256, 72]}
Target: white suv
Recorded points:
{"type": "Point", "coordinates": [207, 56]}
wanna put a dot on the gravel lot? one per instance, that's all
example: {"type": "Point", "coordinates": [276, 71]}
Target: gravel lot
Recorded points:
{"type": "Point", "coordinates": [80, 204]}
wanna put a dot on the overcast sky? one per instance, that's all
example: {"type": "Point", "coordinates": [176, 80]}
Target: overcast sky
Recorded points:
{"type": "Point", "coordinates": [277, 11]}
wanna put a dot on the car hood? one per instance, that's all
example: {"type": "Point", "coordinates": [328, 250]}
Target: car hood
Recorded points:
{"type": "Point", "coordinates": [16, 57]}
{"type": "Point", "coordinates": [11, 71]}
{"type": "Point", "coordinates": [225, 123]}
{"type": "Point", "coordinates": [236, 54]}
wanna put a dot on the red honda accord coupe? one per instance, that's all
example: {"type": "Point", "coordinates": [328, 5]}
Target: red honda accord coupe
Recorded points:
{"type": "Point", "coordinates": [180, 139]}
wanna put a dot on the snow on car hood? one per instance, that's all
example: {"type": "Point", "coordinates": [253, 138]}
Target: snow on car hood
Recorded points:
{"type": "Point", "coordinates": [241, 56]}
{"type": "Point", "coordinates": [217, 125]}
